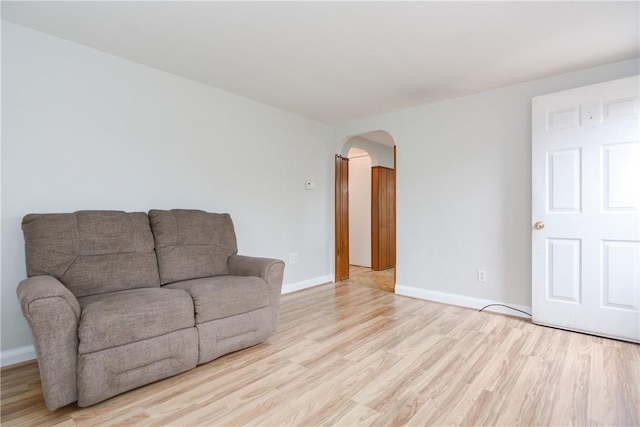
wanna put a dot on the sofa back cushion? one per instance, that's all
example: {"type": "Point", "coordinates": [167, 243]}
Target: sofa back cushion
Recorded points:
{"type": "Point", "coordinates": [192, 244]}
{"type": "Point", "coordinates": [92, 252]}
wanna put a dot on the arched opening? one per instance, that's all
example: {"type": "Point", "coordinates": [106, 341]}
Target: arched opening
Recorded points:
{"type": "Point", "coordinates": [365, 211]}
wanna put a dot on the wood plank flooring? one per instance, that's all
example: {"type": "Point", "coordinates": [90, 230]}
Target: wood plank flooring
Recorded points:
{"type": "Point", "coordinates": [364, 276]}
{"type": "Point", "coordinates": [349, 355]}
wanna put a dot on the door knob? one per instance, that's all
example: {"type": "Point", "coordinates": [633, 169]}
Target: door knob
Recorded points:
{"type": "Point", "coordinates": [539, 225]}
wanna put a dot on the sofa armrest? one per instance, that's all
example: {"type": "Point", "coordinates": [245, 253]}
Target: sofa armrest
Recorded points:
{"type": "Point", "coordinates": [271, 270]}
{"type": "Point", "coordinates": [53, 313]}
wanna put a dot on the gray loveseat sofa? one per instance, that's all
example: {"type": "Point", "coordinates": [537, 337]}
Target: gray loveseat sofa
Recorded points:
{"type": "Point", "coordinates": [118, 300]}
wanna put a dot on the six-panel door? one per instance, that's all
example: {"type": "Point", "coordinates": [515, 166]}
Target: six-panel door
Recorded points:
{"type": "Point", "coordinates": [586, 201]}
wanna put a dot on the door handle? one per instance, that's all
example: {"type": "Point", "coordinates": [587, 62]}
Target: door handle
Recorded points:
{"type": "Point", "coordinates": [539, 225]}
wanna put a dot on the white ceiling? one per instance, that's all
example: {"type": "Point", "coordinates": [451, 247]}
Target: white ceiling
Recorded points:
{"type": "Point", "coordinates": [336, 61]}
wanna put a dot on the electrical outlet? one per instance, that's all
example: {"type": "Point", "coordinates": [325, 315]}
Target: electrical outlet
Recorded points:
{"type": "Point", "coordinates": [482, 276]}
{"type": "Point", "coordinates": [293, 258]}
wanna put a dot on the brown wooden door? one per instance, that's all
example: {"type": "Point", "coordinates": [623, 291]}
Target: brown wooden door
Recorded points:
{"type": "Point", "coordinates": [342, 218]}
{"type": "Point", "coordinates": [383, 218]}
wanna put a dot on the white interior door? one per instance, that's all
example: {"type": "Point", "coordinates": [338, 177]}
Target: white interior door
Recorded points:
{"type": "Point", "coordinates": [586, 203]}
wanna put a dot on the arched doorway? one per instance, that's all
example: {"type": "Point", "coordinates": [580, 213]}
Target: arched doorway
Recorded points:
{"type": "Point", "coordinates": [376, 150]}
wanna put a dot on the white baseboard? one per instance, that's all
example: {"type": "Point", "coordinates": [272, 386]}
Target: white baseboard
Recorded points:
{"type": "Point", "coordinates": [462, 300]}
{"type": "Point", "coordinates": [292, 287]}
{"type": "Point", "coordinates": [17, 355]}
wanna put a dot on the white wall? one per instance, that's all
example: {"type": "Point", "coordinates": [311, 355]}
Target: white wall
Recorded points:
{"type": "Point", "coordinates": [360, 211]}
{"type": "Point", "coordinates": [87, 130]}
{"type": "Point", "coordinates": [464, 188]}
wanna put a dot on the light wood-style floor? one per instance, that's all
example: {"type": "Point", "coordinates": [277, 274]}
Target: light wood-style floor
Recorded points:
{"type": "Point", "coordinates": [365, 276]}
{"type": "Point", "coordinates": [349, 355]}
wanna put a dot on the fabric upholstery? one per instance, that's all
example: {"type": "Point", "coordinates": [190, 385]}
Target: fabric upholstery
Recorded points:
{"type": "Point", "coordinates": [106, 373]}
{"type": "Point", "coordinates": [117, 318]}
{"type": "Point", "coordinates": [271, 270]}
{"type": "Point", "coordinates": [92, 252]}
{"type": "Point", "coordinates": [192, 244]}
{"type": "Point", "coordinates": [52, 313]}
{"type": "Point", "coordinates": [222, 336]}
{"type": "Point", "coordinates": [223, 296]}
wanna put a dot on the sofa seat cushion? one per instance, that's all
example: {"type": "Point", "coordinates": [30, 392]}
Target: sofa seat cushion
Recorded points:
{"type": "Point", "coordinates": [223, 296]}
{"type": "Point", "coordinates": [123, 317]}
